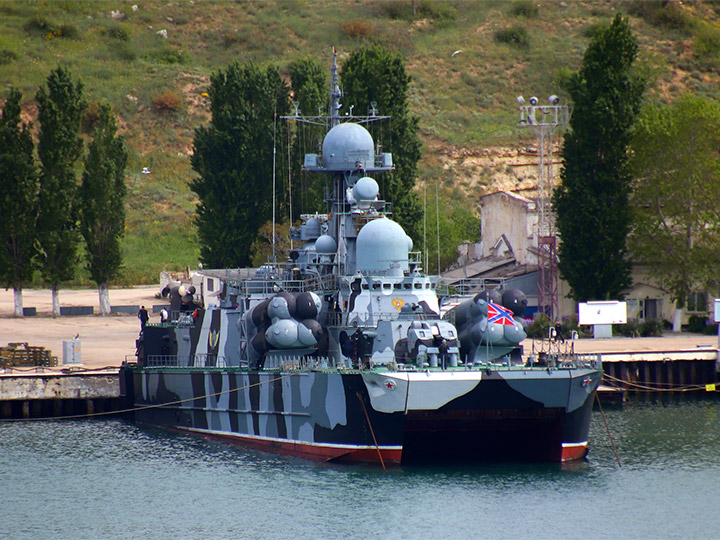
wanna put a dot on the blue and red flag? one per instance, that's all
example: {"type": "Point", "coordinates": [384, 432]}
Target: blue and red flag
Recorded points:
{"type": "Point", "coordinates": [499, 315]}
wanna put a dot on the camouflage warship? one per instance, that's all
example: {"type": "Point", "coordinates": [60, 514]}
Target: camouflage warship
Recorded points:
{"type": "Point", "coordinates": [342, 354]}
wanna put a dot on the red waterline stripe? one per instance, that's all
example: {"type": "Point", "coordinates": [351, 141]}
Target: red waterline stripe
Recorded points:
{"type": "Point", "coordinates": [316, 451]}
{"type": "Point", "coordinates": [572, 451]}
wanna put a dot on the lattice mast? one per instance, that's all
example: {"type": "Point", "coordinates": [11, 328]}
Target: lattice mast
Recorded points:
{"type": "Point", "coordinates": [544, 120]}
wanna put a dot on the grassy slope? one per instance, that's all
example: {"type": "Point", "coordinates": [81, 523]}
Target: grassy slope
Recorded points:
{"type": "Point", "coordinates": [466, 102]}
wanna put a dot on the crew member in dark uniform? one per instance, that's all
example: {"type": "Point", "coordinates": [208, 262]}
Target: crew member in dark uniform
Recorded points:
{"type": "Point", "coordinates": [143, 316]}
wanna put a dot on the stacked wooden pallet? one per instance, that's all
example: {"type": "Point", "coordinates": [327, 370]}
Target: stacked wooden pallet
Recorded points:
{"type": "Point", "coordinates": [24, 355]}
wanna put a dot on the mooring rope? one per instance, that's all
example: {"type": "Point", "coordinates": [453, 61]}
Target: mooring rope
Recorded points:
{"type": "Point", "coordinates": [146, 407]}
{"type": "Point", "coordinates": [607, 428]}
{"type": "Point", "coordinates": [649, 388]}
{"type": "Point", "coordinates": [372, 432]}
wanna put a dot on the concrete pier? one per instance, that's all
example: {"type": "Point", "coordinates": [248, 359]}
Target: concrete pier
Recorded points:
{"type": "Point", "coordinates": [55, 394]}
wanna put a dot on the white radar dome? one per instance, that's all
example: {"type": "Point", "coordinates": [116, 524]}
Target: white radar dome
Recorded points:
{"type": "Point", "coordinates": [380, 244]}
{"type": "Point", "coordinates": [348, 147]}
{"type": "Point", "coordinates": [365, 189]}
{"type": "Point", "coordinates": [312, 227]}
{"type": "Point", "coordinates": [325, 245]}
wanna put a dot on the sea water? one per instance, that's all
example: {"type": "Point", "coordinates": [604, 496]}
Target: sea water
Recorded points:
{"type": "Point", "coordinates": [112, 479]}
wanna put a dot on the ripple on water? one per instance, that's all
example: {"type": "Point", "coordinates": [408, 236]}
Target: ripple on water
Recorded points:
{"type": "Point", "coordinates": [112, 479]}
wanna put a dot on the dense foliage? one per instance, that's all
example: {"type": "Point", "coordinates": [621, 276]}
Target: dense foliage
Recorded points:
{"type": "Point", "coordinates": [233, 156]}
{"type": "Point", "coordinates": [18, 207]}
{"type": "Point", "coordinates": [61, 105]}
{"type": "Point", "coordinates": [591, 204]}
{"type": "Point", "coordinates": [372, 74]}
{"type": "Point", "coordinates": [676, 193]}
{"type": "Point", "coordinates": [102, 203]}
{"type": "Point", "coordinates": [309, 87]}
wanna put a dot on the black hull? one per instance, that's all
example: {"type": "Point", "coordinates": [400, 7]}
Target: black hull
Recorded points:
{"type": "Point", "coordinates": [333, 416]}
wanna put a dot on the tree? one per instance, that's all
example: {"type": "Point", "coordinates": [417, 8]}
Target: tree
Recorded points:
{"type": "Point", "coordinates": [456, 224]}
{"type": "Point", "coordinates": [676, 195]}
{"type": "Point", "coordinates": [371, 74]}
{"type": "Point", "coordinates": [102, 204]}
{"type": "Point", "coordinates": [18, 199]}
{"type": "Point", "coordinates": [61, 105]}
{"type": "Point", "coordinates": [591, 203]}
{"type": "Point", "coordinates": [234, 158]}
{"type": "Point", "coordinates": [262, 248]}
{"type": "Point", "coordinates": [310, 92]}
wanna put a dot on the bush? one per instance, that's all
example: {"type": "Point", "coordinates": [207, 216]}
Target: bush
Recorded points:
{"type": "Point", "coordinates": [651, 328]}
{"type": "Point", "coordinates": [525, 9]}
{"type": "Point", "coordinates": [116, 32]}
{"type": "Point", "coordinates": [697, 324]}
{"type": "Point", "coordinates": [168, 56]}
{"type": "Point", "coordinates": [660, 13]}
{"type": "Point", "coordinates": [396, 10]}
{"type": "Point", "coordinates": [707, 42]}
{"type": "Point", "coordinates": [425, 9]}
{"type": "Point", "coordinates": [168, 101]}
{"type": "Point", "coordinates": [67, 31]}
{"type": "Point", "coordinates": [235, 38]}
{"type": "Point", "coordinates": [7, 57]}
{"type": "Point", "coordinates": [124, 52]}
{"type": "Point", "coordinates": [38, 26]}
{"type": "Point", "coordinates": [438, 11]}
{"type": "Point", "coordinates": [538, 329]}
{"type": "Point", "coordinates": [90, 117]}
{"type": "Point", "coordinates": [357, 28]}
{"type": "Point", "coordinates": [710, 329]}
{"type": "Point", "coordinates": [629, 329]}
{"type": "Point", "coordinates": [570, 325]}
{"type": "Point", "coordinates": [591, 30]}
{"type": "Point", "coordinates": [515, 36]}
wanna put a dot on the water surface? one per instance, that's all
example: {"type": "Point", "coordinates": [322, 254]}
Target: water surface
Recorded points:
{"type": "Point", "coordinates": [111, 479]}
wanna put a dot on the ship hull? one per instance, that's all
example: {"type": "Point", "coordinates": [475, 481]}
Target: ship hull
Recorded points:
{"type": "Point", "coordinates": [388, 417]}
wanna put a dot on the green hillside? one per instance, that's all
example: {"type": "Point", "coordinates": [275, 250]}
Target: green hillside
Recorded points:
{"type": "Point", "coordinates": [466, 101]}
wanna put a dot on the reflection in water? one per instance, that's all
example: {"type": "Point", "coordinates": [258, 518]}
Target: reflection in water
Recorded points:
{"type": "Point", "coordinates": [113, 479]}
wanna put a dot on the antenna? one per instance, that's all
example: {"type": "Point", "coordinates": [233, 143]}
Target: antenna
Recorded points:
{"type": "Point", "coordinates": [273, 181]}
{"type": "Point", "coordinates": [544, 119]}
{"type": "Point", "coordinates": [336, 93]}
{"type": "Point", "coordinates": [437, 224]}
{"type": "Point", "coordinates": [425, 246]}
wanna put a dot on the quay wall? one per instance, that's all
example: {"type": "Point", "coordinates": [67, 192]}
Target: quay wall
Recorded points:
{"type": "Point", "coordinates": [40, 395]}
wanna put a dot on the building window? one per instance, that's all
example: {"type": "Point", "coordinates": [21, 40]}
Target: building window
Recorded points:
{"type": "Point", "coordinates": [697, 302]}
{"type": "Point", "coordinates": [210, 285]}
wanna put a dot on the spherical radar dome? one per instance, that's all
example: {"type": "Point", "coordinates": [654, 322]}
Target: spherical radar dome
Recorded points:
{"type": "Point", "coordinates": [347, 147]}
{"type": "Point", "coordinates": [366, 189]}
{"type": "Point", "coordinates": [325, 245]}
{"type": "Point", "coordinates": [380, 244]}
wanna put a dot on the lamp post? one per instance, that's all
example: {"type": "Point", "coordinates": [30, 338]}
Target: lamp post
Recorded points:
{"type": "Point", "coordinates": [544, 120]}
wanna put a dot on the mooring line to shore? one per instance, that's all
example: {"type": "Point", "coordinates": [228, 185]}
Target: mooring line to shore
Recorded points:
{"type": "Point", "coordinates": [607, 428]}
{"type": "Point", "coordinates": [372, 432]}
{"type": "Point", "coordinates": [145, 407]}
{"type": "Point", "coordinates": [644, 388]}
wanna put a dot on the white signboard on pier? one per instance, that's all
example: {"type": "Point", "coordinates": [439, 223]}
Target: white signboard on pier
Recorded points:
{"type": "Point", "coordinates": [602, 312]}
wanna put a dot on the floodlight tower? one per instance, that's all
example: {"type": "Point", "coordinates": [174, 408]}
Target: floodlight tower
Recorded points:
{"type": "Point", "coordinates": [544, 120]}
